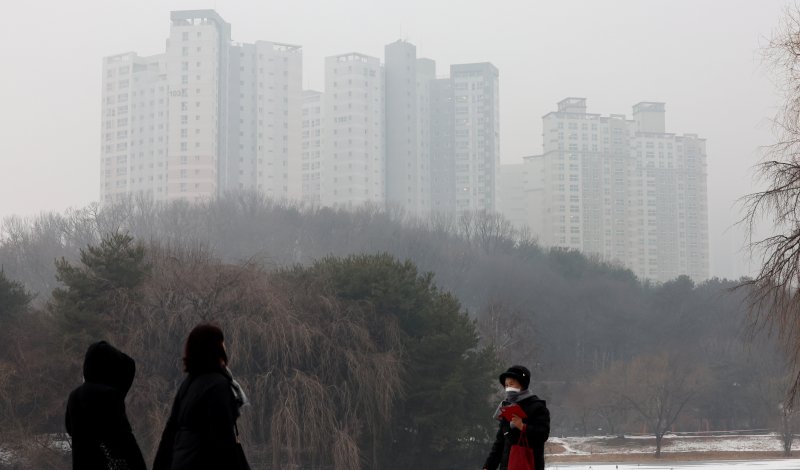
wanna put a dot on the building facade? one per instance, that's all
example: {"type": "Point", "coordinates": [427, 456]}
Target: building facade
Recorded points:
{"type": "Point", "coordinates": [197, 58]}
{"type": "Point", "coordinates": [209, 115]}
{"type": "Point", "coordinates": [313, 147]}
{"type": "Point", "coordinates": [442, 155]}
{"type": "Point", "coordinates": [133, 151]}
{"type": "Point", "coordinates": [476, 135]}
{"type": "Point", "coordinates": [264, 130]}
{"type": "Point", "coordinates": [623, 190]}
{"type": "Point", "coordinates": [408, 120]}
{"type": "Point", "coordinates": [353, 163]}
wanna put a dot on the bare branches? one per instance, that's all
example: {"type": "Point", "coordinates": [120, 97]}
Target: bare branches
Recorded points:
{"type": "Point", "coordinates": [658, 388]}
{"type": "Point", "coordinates": [321, 373]}
{"type": "Point", "coordinates": [773, 293]}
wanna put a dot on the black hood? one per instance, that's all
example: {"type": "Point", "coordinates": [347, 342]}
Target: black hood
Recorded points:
{"type": "Point", "coordinates": [107, 365]}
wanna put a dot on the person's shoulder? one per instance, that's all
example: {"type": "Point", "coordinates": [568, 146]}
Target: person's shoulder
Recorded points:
{"type": "Point", "coordinates": [94, 391]}
{"type": "Point", "coordinates": [534, 402]}
{"type": "Point", "coordinates": [212, 377]}
{"type": "Point", "coordinates": [210, 381]}
{"type": "Point", "coordinates": [95, 396]}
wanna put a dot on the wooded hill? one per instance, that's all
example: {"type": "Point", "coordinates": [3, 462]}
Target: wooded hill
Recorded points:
{"type": "Point", "coordinates": [333, 314]}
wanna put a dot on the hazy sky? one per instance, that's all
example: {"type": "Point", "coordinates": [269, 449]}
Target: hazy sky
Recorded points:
{"type": "Point", "coordinates": [701, 57]}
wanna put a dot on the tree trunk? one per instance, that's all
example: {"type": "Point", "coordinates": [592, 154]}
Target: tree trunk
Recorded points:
{"type": "Point", "coordinates": [658, 445]}
{"type": "Point", "coordinates": [787, 434]}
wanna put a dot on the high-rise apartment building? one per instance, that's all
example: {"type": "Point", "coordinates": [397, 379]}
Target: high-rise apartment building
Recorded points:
{"type": "Point", "coordinates": [264, 134]}
{"type": "Point", "coordinates": [134, 127]}
{"type": "Point", "coordinates": [476, 135]}
{"type": "Point", "coordinates": [353, 164]}
{"type": "Point", "coordinates": [426, 75]}
{"type": "Point", "coordinates": [207, 116]}
{"type": "Point", "coordinates": [196, 56]}
{"type": "Point", "coordinates": [442, 135]}
{"type": "Point", "coordinates": [442, 160]}
{"type": "Point", "coordinates": [670, 205]}
{"type": "Point", "coordinates": [402, 169]}
{"type": "Point", "coordinates": [511, 200]}
{"type": "Point", "coordinates": [623, 190]}
{"type": "Point", "coordinates": [313, 148]}
{"type": "Point", "coordinates": [407, 85]}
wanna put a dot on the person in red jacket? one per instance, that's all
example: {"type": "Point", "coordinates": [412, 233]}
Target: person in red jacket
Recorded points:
{"type": "Point", "coordinates": [535, 424]}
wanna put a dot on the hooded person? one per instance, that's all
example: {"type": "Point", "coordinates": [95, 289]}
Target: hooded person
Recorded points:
{"type": "Point", "coordinates": [96, 419]}
{"type": "Point", "coordinates": [535, 424]}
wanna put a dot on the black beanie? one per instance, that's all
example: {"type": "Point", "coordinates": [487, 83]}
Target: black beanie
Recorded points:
{"type": "Point", "coordinates": [520, 373]}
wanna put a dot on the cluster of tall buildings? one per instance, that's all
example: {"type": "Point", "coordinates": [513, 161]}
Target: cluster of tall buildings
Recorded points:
{"type": "Point", "coordinates": [210, 116]}
{"type": "Point", "coordinates": [623, 190]}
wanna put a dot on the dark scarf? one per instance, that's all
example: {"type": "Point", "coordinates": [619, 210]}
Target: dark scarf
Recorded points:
{"type": "Point", "coordinates": [512, 397]}
{"type": "Point", "coordinates": [516, 397]}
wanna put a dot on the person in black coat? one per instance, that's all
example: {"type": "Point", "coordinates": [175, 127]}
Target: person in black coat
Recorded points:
{"type": "Point", "coordinates": [96, 418]}
{"type": "Point", "coordinates": [536, 424]}
{"type": "Point", "coordinates": [201, 431]}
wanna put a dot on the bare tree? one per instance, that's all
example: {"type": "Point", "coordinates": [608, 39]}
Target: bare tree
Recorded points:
{"type": "Point", "coordinates": [783, 414]}
{"type": "Point", "coordinates": [788, 425]}
{"type": "Point", "coordinates": [612, 408]}
{"type": "Point", "coordinates": [508, 330]}
{"type": "Point", "coordinates": [659, 388]}
{"type": "Point", "coordinates": [773, 294]}
{"type": "Point", "coordinates": [324, 376]}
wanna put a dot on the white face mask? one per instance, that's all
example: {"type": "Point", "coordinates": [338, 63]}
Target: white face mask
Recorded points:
{"type": "Point", "coordinates": [513, 389]}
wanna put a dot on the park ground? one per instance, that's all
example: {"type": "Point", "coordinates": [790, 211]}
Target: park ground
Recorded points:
{"type": "Point", "coordinates": [683, 448]}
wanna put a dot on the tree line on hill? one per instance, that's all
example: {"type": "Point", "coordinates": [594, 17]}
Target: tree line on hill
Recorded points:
{"type": "Point", "coordinates": [389, 331]}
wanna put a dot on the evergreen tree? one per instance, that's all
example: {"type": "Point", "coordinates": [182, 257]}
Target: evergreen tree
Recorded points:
{"type": "Point", "coordinates": [101, 283]}
{"type": "Point", "coordinates": [14, 299]}
{"type": "Point", "coordinates": [448, 378]}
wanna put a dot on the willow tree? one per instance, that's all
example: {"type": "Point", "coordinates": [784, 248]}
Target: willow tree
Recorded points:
{"type": "Point", "coordinates": [773, 293]}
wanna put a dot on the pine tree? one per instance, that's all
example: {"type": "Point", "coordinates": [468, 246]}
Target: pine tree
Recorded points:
{"type": "Point", "coordinates": [99, 285]}
{"type": "Point", "coordinates": [448, 377]}
{"type": "Point", "coordinates": [14, 299]}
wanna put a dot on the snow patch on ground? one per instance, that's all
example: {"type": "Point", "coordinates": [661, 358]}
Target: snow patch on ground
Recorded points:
{"type": "Point", "coordinates": [768, 442]}
{"type": "Point", "coordinates": [778, 464]}
{"type": "Point", "coordinates": [567, 444]}
{"type": "Point", "coordinates": [671, 443]}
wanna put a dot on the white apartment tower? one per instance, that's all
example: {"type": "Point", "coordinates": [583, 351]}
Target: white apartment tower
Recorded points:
{"type": "Point", "coordinates": [623, 190]}
{"type": "Point", "coordinates": [670, 205]}
{"type": "Point", "coordinates": [511, 200]}
{"type": "Point", "coordinates": [280, 102]}
{"type": "Point", "coordinates": [313, 147]}
{"type": "Point", "coordinates": [426, 76]}
{"type": "Point", "coordinates": [353, 163]}
{"type": "Point", "coordinates": [134, 127]}
{"type": "Point", "coordinates": [197, 52]}
{"type": "Point", "coordinates": [407, 91]}
{"type": "Point", "coordinates": [476, 135]}
{"type": "Point", "coordinates": [264, 134]}
{"type": "Point", "coordinates": [442, 160]}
